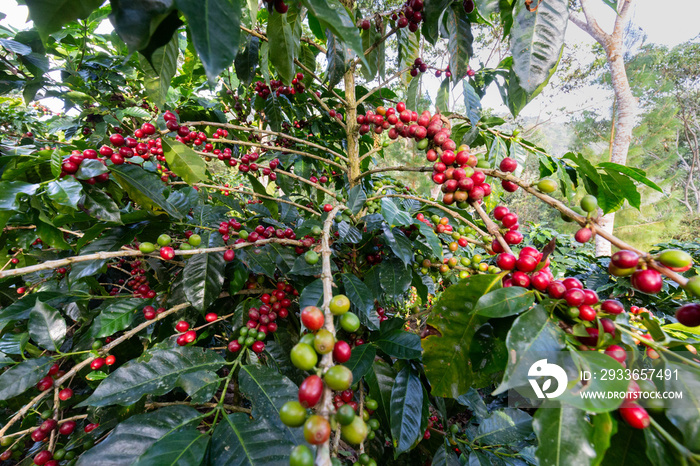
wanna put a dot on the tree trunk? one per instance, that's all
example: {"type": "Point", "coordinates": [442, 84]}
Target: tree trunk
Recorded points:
{"type": "Point", "coordinates": [626, 109]}
{"type": "Point", "coordinates": [352, 128]}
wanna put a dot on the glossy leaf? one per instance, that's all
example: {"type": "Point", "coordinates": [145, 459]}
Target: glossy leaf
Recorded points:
{"type": "Point", "coordinates": [48, 15]}
{"type": "Point", "coordinates": [65, 192]}
{"type": "Point", "coordinates": [399, 244]}
{"type": "Point", "coordinates": [204, 277]}
{"type": "Point", "coordinates": [184, 162]}
{"type": "Point", "coordinates": [361, 360]}
{"type": "Point", "coordinates": [247, 60]}
{"type": "Point", "coordinates": [565, 436]}
{"type": "Point", "coordinates": [627, 448]}
{"type": "Point", "coordinates": [333, 15]}
{"type": "Point", "coordinates": [531, 335]}
{"type": "Point", "coordinates": [454, 316]}
{"type": "Point", "coordinates": [115, 316]}
{"type": "Point", "coordinates": [685, 415]}
{"type": "Point", "coordinates": [112, 240]}
{"type": "Point", "coordinates": [133, 437]}
{"type": "Point", "coordinates": [179, 448]}
{"type": "Point", "coordinates": [400, 344]}
{"type": "Point", "coordinates": [239, 440]}
{"type": "Point", "coordinates": [472, 102]}
{"type": "Point", "coordinates": [393, 215]}
{"type": "Point", "coordinates": [144, 188]}
{"type": "Point", "coordinates": [90, 168]}
{"type": "Point", "coordinates": [505, 302]}
{"type": "Point", "coordinates": [335, 59]}
{"type": "Point", "coordinates": [46, 326]}
{"type": "Point", "coordinates": [282, 54]}
{"type": "Point", "coordinates": [157, 374]}
{"type": "Point", "coordinates": [442, 101]}
{"type": "Point", "coordinates": [312, 294]}
{"type": "Point", "coordinates": [268, 391]}
{"type": "Point", "coordinates": [356, 199]}
{"type": "Point", "coordinates": [215, 28]}
{"type": "Point", "coordinates": [503, 427]}
{"type": "Point", "coordinates": [406, 410]}
{"type": "Point", "coordinates": [10, 191]}
{"type": "Point", "coordinates": [361, 300]}
{"type": "Point", "coordinates": [460, 38]}
{"type": "Point", "coordinates": [160, 71]}
{"type": "Point", "coordinates": [380, 379]}
{"type": "Point", "coordinates": [17, 379]}
{"type": "Point", "coordinates": [394, 277]}
{"type": "Point", "coordinates": [432, 12]}
{"type": "Point", "coordinates": [100, 206]}
{"type": "Point", "coordinates": [445, 456]}
{"type": "Point", "coordinates": [536, 41]}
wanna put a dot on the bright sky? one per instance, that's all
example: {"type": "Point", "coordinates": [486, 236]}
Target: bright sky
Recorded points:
{"type": "Point", "coordinates": [667, 22]}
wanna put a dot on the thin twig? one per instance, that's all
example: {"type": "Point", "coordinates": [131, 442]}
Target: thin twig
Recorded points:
{"type": "Point", "coordinates": [491, 227]}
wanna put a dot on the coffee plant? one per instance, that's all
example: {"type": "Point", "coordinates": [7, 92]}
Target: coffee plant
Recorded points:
{"type": "Point", "coordinates": [205, 259]}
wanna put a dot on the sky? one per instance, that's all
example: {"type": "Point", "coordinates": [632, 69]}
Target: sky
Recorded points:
{"type": "Point", "coordinates": [665, 22]}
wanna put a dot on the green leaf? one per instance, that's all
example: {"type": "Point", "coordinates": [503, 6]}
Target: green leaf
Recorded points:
{"type": "Point", "coordinates": [179, 448]}
{"type": "Point", "coordinates": [260, 261]}
{"type": "Point", "coordinates": [412, 96]}
{"type": "Point", "coordinates": [49, 15]}
{"type": "Point", "coordinates": [10, 190]}
{"type": "Point", "coordinates": [46, 326]}
{"type": "Point", "coordinates": [144, 188]}
{"type": "Point", "coordinates": [312, 295]}
{"type": "Point", "coordinates": [442, 100]}
{"type": "Point", "coordinates": [445, 456]}
{"type": "Point", "coordinates": [112, 240]}
{"type": "Point", "coordinates": [215, 28]}
{"type": "Point", "coordinates": [332, 15]}
{"type": "Point", "coordinates": [487, 7]}
{"type": "Point", "coordinates": [399, 244]}
{"type": "Point", "coordinates": [454, 316]}
{"type": "Point", "coordinates": [616, 188]}
{"type": "Point", "coordinates": [200, 386]}
{"type": "Point", "coordinates": [203, 278]}
{"type": "Point", "coordinates": [503, 427]}
{"type": "Point", "coordinates": [685, 415]}
{"type": "Point", "coordinates": [65, 192]}
{"type": "Point", "coordinates": [393, 215]}
{"type": "Point", "coordinates": [594, 363]}
{"type": "Point", "coordinates": [268, 391]}
{"type": "Point", "coordinates": [136, 112]}
{"type": "Point", "coordinates": [184, 162]}
{"type": "Point", "coordinates": [531, 335]}
{"type": "Point", "coordinates": [273, 112]}
{"type": "Point", "coordinates": [99, 205]}
{"type": "Point", "coordinates": [240, 441]}
{"type": "Point", "coordinates": [394, 277]}
{"type": "Point", "coordinates": [356, 199]}
{"type": "Point", "coordinates": [282, 53]}
{"type": "Point", "coordinates": [361, 359]}
{"type": "Point", "coordinates": [51, 235]}
{"type": "Point", "coordinates": [565, 436]}
{"type": "Point", "coordinates": [634, 173]}
{"type": "Point", "coordinates": [160, 71]}
{"type": "Point", "coordinates": [460, 38]}
{"type": "Point", "coordinates": [247, 61]}
{"type": "Point", "coordinates": [361, 299]}
{"type": "Point", "coordinates": [400, 344]}
{"type": "Point", "coordinates": [431, 239]}
{"type": "Point", "coordinates": [271, 205]}
{"type": "Point", "coordinates": [505, 302]}
{"type": "Point", "coordinates": [17, 379]}
{"type": "Point", "coordinates": [432, 12]}
{"type": "Point", "coordinates": [156, 374]}
{"type": "Point", "coordinates": [369, 37]}
{"type": "Point", "coordinates": [335, 58]}
{"type": "Point", "coordinates": [133, 437]}
{"type": "Point", "coordinates": [380, 380]}
{"type": "Point", "coordinates": [406, 410]}
{"type": "Point", "coordinates": [115, 316]}
{"type": "Point", "coordinates": [472, 103]}
{"type": "Point", "coordinates": [537, 39]}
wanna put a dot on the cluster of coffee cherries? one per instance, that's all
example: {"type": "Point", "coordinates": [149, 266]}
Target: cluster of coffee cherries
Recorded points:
{"type": "Point", "coordinates": [510, 227]}
{"type": "Point", "coordinates": [123, 148]}
{"type": "Point", "coordinates": [264, 91]}
{"type": "Point", "coordinates": [410, 14]}
{"type": "Point", "coordinates": [418, 67]}
{"type": "Point", "coordinates": [71, 165]}
{"type": "Point", "coordinates": [42, 432]}
{"type": "Point", "coordinates": [138, 281]}
{"type": "Point", "coordinates": [447, 71]}
{"type": "Point", "coordinates": [304, 356]}
{"type": "Point", "coordinates": [278, 5]}
{"type": "Point", "coordinates": [262, 320]}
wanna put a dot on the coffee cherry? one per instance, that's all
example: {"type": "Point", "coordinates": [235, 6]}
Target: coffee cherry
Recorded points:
{"type": "Point", "coordinates": [48, 425]}
{"type": "Point", "coordinates": [634, 415]}
{"type": "Point", "coordinates": [341, 352]}
{"type": "Point", "coordinates": [164, 240]}
{"type": "Point", "coordinates": [301, 456]}
{"type": "Point", "coordinates": [338, 378]}
{"type": "Point", "coordinates": [39, 435]}
{"type": "Point", "coordinates": [612, 306]}
{"type": "Point", "coordinates": [312, 318]}
{"type": "Point", "coordinates": [303, 356]}
{"type": "Point", "coordinates": [310, 391]}
{"type": "Point", "coordinates": [583, 235]}
{"type": "Point", "coordinates": [349, 322]}
{"type": "Point", "coordinates": [324, 341]}
{"type": "Point", "coordinates": [591, 339]}
{"type": "Point", "coordinates": [586, 312]}
{"type": "Point", "coordinates": [616, 352]}
{"type": "Point", "coordinates": [211, 317]}
{"type": "Point", "coordinates": [327, 208]}
{"type": "Point", "coordinates": [625, 259]}
{"type": "Point", "coordinates": [589, 203]}
{"type": "Point", "coordinates": [340, 304]}
{"type": "Point", "coordinates": [65, 394]}
{"type": "Point", "coordinates": [355, 432]}
{"type": "Point", "coordinates": [97, 363]}
{"type": "Point", "coordinates": [317, 430]}
{"type": "Point", "coordinates": [167, 253]}
{"type": "Point", "coordinates": [508, 165]}
{"type": "Point", "coordinates": [110, 360]}
{"type": "Point", "coordinates": [42, 457]}
{"type": "Point", "coordinates": [182, 326]}
{"type": "Point", "coordinates": [574, 297]}
{"type": "Point", "coordinates": [45, 383]}
{"type": "Point", "coordinates": [293, 414]}
{"type": "Point", "coordinates": [571, 282]}
{"type": "Point", "coordinates": [90, 427]}
{"type": "Point", "coordinates": [647, 281]}
{"type": "Point", "coordinates": [345, 415]}
{"type": "Point", "coordinates": [689, 315]}
{"type": "Point", "coordinates": [146, 247]}
{"type": "Point", "coordinates": [692, 287]}
{"type": "Point", "coordinates": [506, 261]}
{"type": "Point", "coordinates": [547, 185]}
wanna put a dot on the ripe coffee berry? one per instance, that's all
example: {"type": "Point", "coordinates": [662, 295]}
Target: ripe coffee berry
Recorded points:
{"type": "Point", "coordinates": [167, 253]}
{"type": "Point", "coordinates": [65, 394]}
{"type": "Point", "coordinates": [258, 346]}
{"type": "Point", "coordinates": [182, 326]}
{"type": "Point", "coordinates": [327, 208]}
{"type": "Point", "coordinates": [90, 427]}
{"type": "Point", "coordinates": [42, 457]}
{"type": "Point", "coordinates": [97, 363]}
{"type": "Point", "coordinates": [634, 415]}
{"type": "Point", "coordinates": [229, 255]}
{"type": "Point", "coordinates": [612, 306]}
{"type": "Point", "coordinates": [109, 360]}
{"type": "Point", "coordinates": [211, 317]}
{"type": "Point", "coordinates": [234, 346]}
